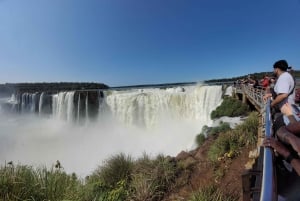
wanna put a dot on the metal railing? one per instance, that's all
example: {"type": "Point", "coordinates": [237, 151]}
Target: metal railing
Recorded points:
{"type": "Point", "coordinates": [256, 94]}
{"type": "Point", "coordinates": [268, 189]}
{"type": "Point", "coordinates": [268, 184]}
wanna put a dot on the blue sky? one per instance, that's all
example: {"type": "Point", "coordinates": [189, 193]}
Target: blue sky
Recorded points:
{"type": "Point", "coordinates": [128, 42]}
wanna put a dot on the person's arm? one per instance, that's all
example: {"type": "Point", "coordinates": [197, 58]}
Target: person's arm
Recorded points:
{"type": "Point", "coordinates": [296, 165]}
{"type": "Point", "coordinates": [289, 138]}
{"type": "Point", "coordinates": [287, 110]}
{"type": "Point", "coordinates": [266, 96]}
{"type": "Point", "coordinates": [278, 99]}
{"type": "Point", "coordinates": [294, 128]}
{"type": "Point", "coordinates": [283, 151]}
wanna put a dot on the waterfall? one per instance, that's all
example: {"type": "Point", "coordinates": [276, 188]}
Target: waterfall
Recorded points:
{"type": "Point", "coordinates": [41, 102]}
{"type": "Point", "coordinates": [63, 105]}
{"type": "Point", "coordinates": [144, 108]}
{"type": "Point", "coordinates": [23, 102]}
{"type": "Point", "coordinates": [70, 106]}
{"type": "Point", "coordinates": [33, 102]}
{"type": "Point", "coordinates": [133, 121]}
{"type": "Point", "coordinates": [150, 106]}
{"type": "Point", "coordinates": [78, 109]}
{"type": "Point", "coordinates": [87, 107]}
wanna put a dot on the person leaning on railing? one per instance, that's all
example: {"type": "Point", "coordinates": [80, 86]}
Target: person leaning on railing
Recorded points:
{"type": "Point", "coordinates": [286, 144]}
{"type": "Point", "coordinates": [288, 135]}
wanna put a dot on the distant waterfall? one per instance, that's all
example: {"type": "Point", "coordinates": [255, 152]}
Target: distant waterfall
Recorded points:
{"type": "Point", "coordinates": [78, 109]}
{"type": "Point", "coordinates": [63, 105]}
{"type": "Point", "coordinates": [150, 106]}
{"type": "Point", "coordinates": [41, 103]}
{"type": "Point", "coordinates": [135, 107]}
{"type": "Point", "coordinates": [87, 107]}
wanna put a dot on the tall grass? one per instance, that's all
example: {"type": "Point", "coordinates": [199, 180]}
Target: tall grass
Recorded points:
{"type": "Point", "coordinates": [212, 193]}
{"type": "Point", "coordinates": [26, 183]}
{"type": "Point", "coordinates": [110, 181]}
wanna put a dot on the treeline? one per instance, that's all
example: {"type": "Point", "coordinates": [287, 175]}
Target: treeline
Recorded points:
{"type": "Point", "coordinates": [295, 73]}
{"type": "Point", "coordinates": [8, 88]}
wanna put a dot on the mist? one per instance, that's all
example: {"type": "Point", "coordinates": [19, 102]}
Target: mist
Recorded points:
{"type": "Point", "coordinates": [40, 140]}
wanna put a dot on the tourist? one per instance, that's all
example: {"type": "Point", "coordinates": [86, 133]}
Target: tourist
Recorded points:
{"type": "Point", "coordinates": [284, 86]}
{"type": "Point", "coordinates": [265, 82]}
{"type": "Point", "coordinates": [286, 145]}
{"type": "Point", "coordinates": [283, 92]}
{"type": "Point", "coordinates": [283, 150]}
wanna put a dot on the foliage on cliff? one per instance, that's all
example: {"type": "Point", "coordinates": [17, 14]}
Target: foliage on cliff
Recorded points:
{"type": "Point", "coordinates": [230, 107]}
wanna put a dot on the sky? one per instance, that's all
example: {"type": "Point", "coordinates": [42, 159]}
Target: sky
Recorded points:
{"type": "Point", "coordinates": [130, 42]}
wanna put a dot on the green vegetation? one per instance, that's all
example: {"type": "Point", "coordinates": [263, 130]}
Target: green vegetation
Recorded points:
{"type": "Point", "coordinates": [229, 143]}
{"type": "Point", "coordinates": [26, 183]}
{"type": "Point", "coordinates": [212, 193]}
{"type": "Point", "coordinates": [200, 139]}
{"type": "Point", "coordinates": [226, 147]}
{"type": "Point", "coordinates": [9, 88]}
{"type": "Point", "coordinates": [230, 107]}
{"type": "Point", "coordinates": [119, 179]}
{"type": "Point", "coordinates": [211, 131]}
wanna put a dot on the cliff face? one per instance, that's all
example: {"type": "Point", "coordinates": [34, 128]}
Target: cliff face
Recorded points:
{"type": "Point", "coordinates": [199, 172]}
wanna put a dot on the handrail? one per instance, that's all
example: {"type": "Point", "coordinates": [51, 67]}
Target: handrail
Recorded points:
{"type": "Point", "coordinates": [268, 185]}
{"type": "Point", "coordinates": [255, 93]}
{"type": "Point", "coordinates": [268, 181]}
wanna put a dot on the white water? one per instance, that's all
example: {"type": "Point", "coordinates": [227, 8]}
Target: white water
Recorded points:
{"type": "Point", "coordinates": [149, 120]}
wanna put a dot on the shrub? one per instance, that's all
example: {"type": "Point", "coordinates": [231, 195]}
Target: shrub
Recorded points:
{"type": "Point", "coordinates": [211, 131]}
{"type": "Point", "coordinates": [230, 107]}
{"type": "Point", "coordinates": [244, 134]}
{"type": "Point", "coordinates": [152, 178]}
{"type": "Point", "coordinates": [115, 169]}
{"type": "Point", "coordinates": [219, 147]}
{"type": "Point", "coordinates": [223, 127]}
{"type": "Point", "coordinates": [110, 181]}
{"type": "Point", "coordinates": [200, 139]}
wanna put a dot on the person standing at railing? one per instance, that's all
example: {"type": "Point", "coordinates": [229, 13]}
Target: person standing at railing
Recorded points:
{"type": "Point", "coordinates": [283, 93]}
{"type": "Point", "coordinates": [284, 86]}
{"type": "Point", "coordinates": [288, 180]}
{"type": "Point", "coordinates": [286, 144]}
{"type": "Point", "coordinates": [265, 82]}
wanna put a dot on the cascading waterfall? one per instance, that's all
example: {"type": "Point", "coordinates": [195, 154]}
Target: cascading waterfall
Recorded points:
{"type": "Point", "coordinates": [130, 121]}
{"type": "Point", "coordinates": [41, 102]}
{"type": "Point", "coordinates": [149, 107]}
{"type": "Point", "coordinates": [87, 107]}
{"type": "Point", "coordinates": [78, 109]}
{"type": "Point", "coordinates": [33, 102]}
{"type": "Point", "coordinates": [63, 105]}
{"type": "Point", "coordinates": [137, 107]}
{"type": "Point", "coordinates": [27, 101]}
